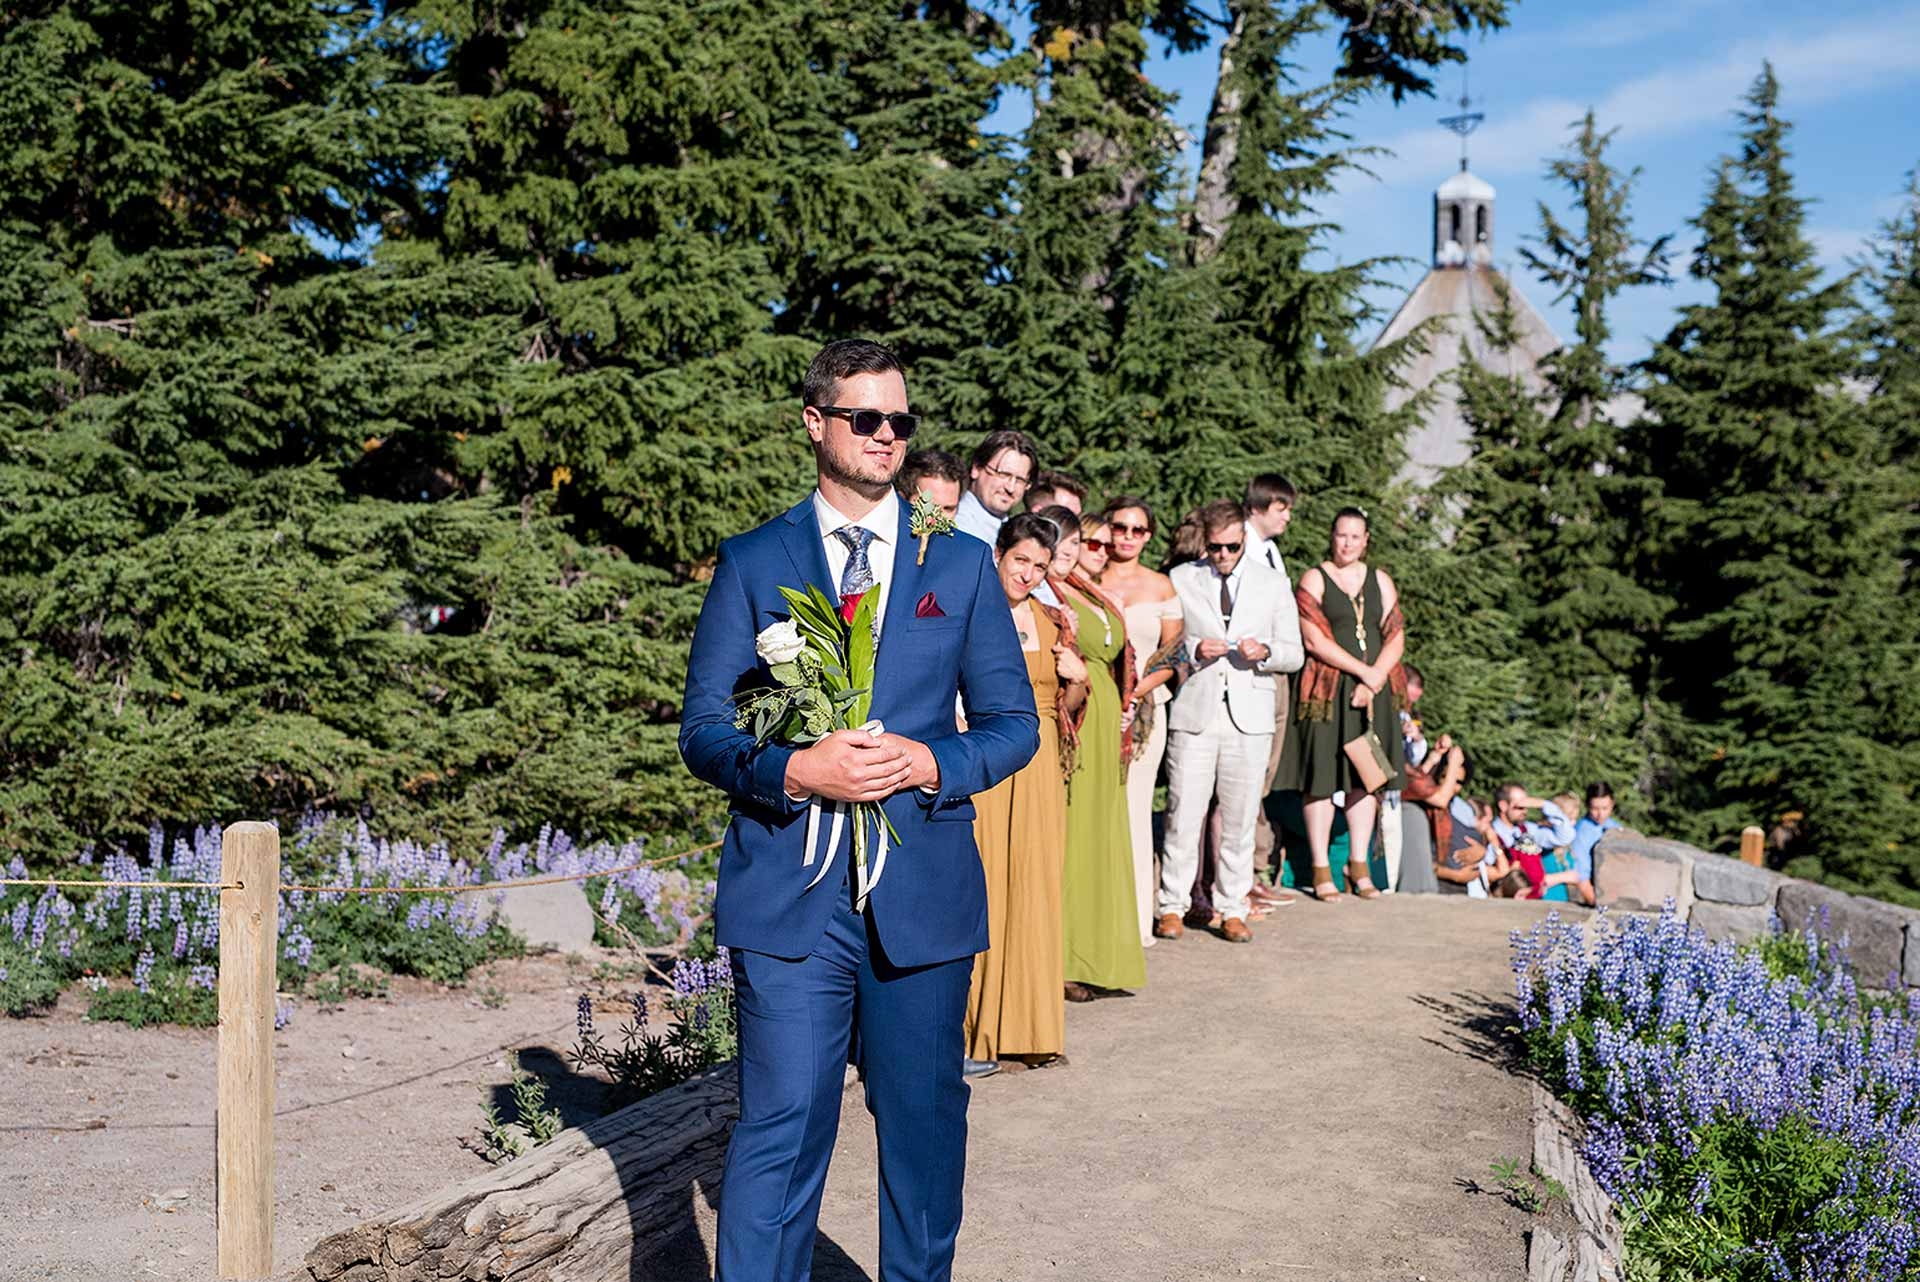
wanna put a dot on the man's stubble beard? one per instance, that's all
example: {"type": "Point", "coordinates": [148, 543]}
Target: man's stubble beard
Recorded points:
{"type": "Point", "coordinates": [864, 486]}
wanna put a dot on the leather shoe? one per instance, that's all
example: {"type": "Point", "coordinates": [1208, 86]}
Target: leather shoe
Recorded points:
{"type": "Point", "coordinates": [1275, 895]}
{"type": "Point", "coordinates": [1235, 931]}
{"type": "Point", "coordinates": [1167, 926]}
{"type": "Point", "coordinates": [972, 1068]}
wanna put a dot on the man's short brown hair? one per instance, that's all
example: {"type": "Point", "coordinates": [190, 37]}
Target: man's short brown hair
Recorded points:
{"type": "Point", "coordinates": [930, 462]}
{"type": "Point", "coordinates": [1268, 488]}
{"type": "Point", "coordinates": [1006, 439]}
{"type": "Point", "coordinates": [1051, 482]}
{"type": "Point", "coordinates": [843, 358]}
{"type": "Point", "coordinates": [1221, 512]}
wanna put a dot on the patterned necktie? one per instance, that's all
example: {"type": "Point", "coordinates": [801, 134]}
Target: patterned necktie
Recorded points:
{"type": "Point", "coordinates": [1226, 602]}
{"type": "Point", "coordinates": [858, 576]}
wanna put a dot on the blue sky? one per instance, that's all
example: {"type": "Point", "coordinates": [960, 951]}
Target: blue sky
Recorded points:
{"type": "Point", "coordinates": [1669, 75]}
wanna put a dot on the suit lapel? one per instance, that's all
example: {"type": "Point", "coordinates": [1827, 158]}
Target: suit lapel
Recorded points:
{"type": "Point", "coordinates": [903, 594]}
{"type": "Point", "coordinates": [809, 556]}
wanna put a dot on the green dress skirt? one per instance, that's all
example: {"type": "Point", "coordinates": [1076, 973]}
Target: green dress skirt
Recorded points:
{"type": "Point", "coordinates": [1100, 907]}
{"type": "Point", "coordinates": [1313, 757]}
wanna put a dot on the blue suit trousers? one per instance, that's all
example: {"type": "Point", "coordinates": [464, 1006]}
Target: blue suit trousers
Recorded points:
{"type": "Point", "coordinates": [797, 1020]}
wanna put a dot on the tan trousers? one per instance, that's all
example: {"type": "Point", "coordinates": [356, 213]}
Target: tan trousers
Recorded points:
{"type": "Point", "coordinates": [1265, 840]}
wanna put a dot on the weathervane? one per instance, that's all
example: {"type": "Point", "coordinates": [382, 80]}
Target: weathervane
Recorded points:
{"type": "Point", "coordinates": [1466, 122]}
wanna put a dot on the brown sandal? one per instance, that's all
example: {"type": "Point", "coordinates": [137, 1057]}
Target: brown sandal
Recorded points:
{"type": "Point", "coordinates": [1361, 887]}
{"type": "Point", "coordinates": [1325, 891]}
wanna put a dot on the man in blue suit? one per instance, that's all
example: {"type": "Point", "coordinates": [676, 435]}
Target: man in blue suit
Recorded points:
{"type": "Point", "coordinates": [810, 969]}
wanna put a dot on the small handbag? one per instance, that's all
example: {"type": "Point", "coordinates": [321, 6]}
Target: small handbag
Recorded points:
{"type": "Point", "coordinates": [1368, 757]}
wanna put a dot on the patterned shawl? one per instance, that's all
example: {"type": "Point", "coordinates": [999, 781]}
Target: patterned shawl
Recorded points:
{"type": "Point", "coordinates": [1171, 657]}
{"type": "Point", "coordinates": [1320, 682]}
{"type": "Point", "coordinates": [1122, 665]}
{"type": "Point", "coordinates": [1068, 722]}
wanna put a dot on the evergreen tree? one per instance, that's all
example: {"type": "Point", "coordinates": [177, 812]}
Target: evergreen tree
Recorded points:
{"type": "Point", "coordinates": [1889, 338]}
{"type": "Point", "coordinates": [1534, 523]}
{"type": "Point", "coordinates": [216, 570]}
{"type": "Point", "coordinates": [1772, 536]}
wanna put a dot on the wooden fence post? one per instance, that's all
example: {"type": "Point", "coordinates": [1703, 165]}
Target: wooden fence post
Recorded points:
{"type": "Point", "coordinates": [1753, 845]}
{"type": "Point", "coordinates": [243, 1126]}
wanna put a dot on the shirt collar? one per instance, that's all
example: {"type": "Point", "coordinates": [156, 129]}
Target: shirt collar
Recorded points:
{"type": "Point", "coordinates": [883, 521]}
{"type": "Point", "coordinates": [1238, 570]}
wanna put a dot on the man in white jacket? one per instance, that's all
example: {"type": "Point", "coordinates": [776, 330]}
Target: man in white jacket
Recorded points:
{"type": "Point", "coordinates": [1241, 630]}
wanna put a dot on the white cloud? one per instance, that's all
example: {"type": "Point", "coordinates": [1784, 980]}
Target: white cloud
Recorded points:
{"type": "Point", "coordinates": [1812, 68]}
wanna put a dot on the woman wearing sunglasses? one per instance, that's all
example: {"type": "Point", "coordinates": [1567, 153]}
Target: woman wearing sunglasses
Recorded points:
{"type": "Point", "coordinates": [1152, 611]}
{"type": "Point", "coordinates": [1103, 952]}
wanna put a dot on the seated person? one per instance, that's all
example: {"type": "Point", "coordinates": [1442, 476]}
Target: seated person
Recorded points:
{"type": "Point", "coordinates": [1587, 832]}
{"type": "Point", "coordinates": [1563, 875]}
{"type": "Point", "coordinates": [1512, 804]}
{"type": "Point", "coordinates": [1515, 885]}
{"type": "Point", "coordinates": [1475, 857]}
{"type": "Point", "coordinates": [1435, 784]}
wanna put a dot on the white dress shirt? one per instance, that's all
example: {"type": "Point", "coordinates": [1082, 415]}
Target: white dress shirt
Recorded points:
{"type": "Point", "coordinates": [1262, 547]}
{"type": "Point", "coordinates": [1234, 581]}
{"type": "Point", "coordinates": [884, 521]}
{"type": "Point", "coordinates": [973, 518]}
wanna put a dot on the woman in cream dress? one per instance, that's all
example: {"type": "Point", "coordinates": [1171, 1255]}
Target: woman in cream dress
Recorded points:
{"type": "Point", "coordinates": [1152, 614]}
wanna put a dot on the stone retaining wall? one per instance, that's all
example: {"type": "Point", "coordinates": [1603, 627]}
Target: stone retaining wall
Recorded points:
{"type": "Point", "coordinates": [1733, 900]}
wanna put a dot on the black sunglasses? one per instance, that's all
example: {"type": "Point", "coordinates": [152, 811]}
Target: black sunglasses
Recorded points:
{"type": "Point", "coordinates": [867, 422]}
{"type": "Point", "coordinates": [1228, 548]}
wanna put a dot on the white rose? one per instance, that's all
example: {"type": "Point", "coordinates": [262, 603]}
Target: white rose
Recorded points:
{"type": "Point", "coordinates": [780, 643]}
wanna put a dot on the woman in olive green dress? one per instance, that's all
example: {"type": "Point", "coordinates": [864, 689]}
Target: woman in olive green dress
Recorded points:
{"type": "Point", "coordinates": [1352, 682]}
{"type": "Point", "coordinates": [1101, 907]}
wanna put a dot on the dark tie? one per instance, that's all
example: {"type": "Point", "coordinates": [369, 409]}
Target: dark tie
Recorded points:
{"type": "Point", "coordinates": [858, 576]}
{"type": "Point", "coordinates": [1226, 601]}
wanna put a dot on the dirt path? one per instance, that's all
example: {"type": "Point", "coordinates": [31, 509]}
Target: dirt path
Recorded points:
{"type": "Point", "coordinates": [1316, 1105]}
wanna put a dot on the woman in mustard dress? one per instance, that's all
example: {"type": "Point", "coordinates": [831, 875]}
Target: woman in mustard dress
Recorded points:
{"type": "Point", "coordinates": [1014, 1008]}
{"type": "Point", "coordinates": [1103, 952]}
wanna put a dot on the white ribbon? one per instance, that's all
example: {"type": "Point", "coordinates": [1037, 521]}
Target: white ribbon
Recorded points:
{"type": "Point", "coordinates": [870, 876]}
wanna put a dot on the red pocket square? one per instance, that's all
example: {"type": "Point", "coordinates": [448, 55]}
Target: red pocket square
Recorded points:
{"type": "Point", "coordinates": [928, 608]}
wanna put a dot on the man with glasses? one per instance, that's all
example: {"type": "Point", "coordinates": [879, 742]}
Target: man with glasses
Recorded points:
{"type": "Point", "coordinates": [1242, 629]}
{"type": "Point", "coordinates": [814, 968]}
{"type": "Point", "coordinates": [1004, 465]}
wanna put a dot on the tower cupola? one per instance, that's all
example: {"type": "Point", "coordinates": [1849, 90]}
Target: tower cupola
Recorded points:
{"type": "Point", "coordinates": [1463, 221]}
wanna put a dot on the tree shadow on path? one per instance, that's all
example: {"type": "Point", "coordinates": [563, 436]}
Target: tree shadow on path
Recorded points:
{"type": "Point", "coordinates": [1479, 1027]}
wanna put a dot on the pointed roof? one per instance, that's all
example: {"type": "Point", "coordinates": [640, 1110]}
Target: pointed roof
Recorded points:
{"type": "Point", "coordinates": [1454, 298]}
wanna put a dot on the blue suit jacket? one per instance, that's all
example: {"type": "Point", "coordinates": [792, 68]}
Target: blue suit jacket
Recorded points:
{"type": "Point", "coordinates": [931, 904]}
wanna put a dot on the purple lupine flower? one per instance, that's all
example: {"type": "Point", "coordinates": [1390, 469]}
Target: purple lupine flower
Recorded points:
{"type": "Point", "coordinates": [640, 1013]}
{"type": "Point", "coordinates": [142, 969]}
{"type": "Point", "coordinates": [205, 976]}
{"type": "Point", "coordinates": [583, 1017]}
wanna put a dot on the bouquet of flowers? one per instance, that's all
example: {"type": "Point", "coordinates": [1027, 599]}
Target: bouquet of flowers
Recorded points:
{"type": "Point", "coordinates": [821, 660]}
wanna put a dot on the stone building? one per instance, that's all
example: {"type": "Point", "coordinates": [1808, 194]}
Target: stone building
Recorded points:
{"type": "Point", "coordinates": [1461, 284]}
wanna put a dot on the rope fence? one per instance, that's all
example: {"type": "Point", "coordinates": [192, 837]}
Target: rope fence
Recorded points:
{"type": "Point", "coordinates": [249, 946]}
{"type": "Point", "coordinates": [552, 879]}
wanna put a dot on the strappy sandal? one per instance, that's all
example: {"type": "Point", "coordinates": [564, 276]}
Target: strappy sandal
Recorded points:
{"type": "Point", "coordinates": [1361, 886]}
{"type": "Point", "coordinates": [1325, 891]}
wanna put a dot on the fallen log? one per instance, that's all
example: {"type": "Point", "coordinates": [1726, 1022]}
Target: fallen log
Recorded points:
{"type": "Point", "coordinates": [613, 1199]}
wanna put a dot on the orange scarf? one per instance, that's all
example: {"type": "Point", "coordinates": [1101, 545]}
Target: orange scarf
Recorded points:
{"type": "Point", "coordinates": [1320, 682]}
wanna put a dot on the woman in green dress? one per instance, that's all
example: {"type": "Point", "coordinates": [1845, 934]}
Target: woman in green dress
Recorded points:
{"type": "Point", "coordinates": [1100, 905]}
{"type": "Point", "coordinates": [1352, 683]}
